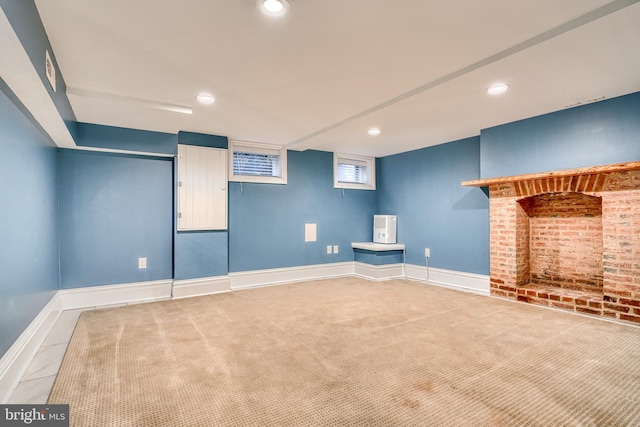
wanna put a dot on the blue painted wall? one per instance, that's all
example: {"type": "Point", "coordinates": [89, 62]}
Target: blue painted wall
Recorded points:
{"type": "Point", "coordinates": [28, 220]}
{"type": "Point", "coordinates": [201, 253]}
{"type": "Point", "coordinates": [595, 134]}
{"type": "Point", "coordinates": [434, 211]}
{"type": "Point", "coordinates": [202, 140]}
{"type": "Point", "coordinates": [117, 138]}
{"type": "Point", "coordinates": [25, 20]}
{"type": "Point", "coordinates": [114, 209]}
{"type": "Point", "coordinates": [378, 257]}
{"type": "Point", "coordinates": [267, 221]}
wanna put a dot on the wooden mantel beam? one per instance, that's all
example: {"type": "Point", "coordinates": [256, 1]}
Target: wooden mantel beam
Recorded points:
{"type": "Point", "coordinates": [618, 167]}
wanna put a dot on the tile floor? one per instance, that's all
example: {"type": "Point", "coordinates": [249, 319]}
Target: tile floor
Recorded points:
{"type": "Point", "coordinates": [37, 381]}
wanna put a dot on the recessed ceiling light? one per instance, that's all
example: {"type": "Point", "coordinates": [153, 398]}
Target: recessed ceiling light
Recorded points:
{"type": "Point", "coordinates": [274, 7]}
{"type": "Point", "coordinates": [205, 98]}
{"type": "Point", "coordinates": [498, 89]}
{"type": "Point", "coordinates": [374, 131]}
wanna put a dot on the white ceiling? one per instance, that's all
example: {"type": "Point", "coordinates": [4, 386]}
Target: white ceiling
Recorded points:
{"type": "Point", "coordinates": [321, 76]}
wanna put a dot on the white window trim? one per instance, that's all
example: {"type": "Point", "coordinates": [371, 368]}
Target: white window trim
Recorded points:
{"type": "Point", "coordinates": [258, 147]}
{"type": "Point", "coordinates": [345, 158]}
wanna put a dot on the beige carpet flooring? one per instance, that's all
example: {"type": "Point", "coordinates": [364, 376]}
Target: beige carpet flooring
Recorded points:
{"type": "Point", "coordinates": [348, 352]}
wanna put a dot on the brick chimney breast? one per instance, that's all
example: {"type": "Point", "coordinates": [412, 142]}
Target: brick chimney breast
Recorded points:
{"type": "Point", "coordinates": [568, 239]}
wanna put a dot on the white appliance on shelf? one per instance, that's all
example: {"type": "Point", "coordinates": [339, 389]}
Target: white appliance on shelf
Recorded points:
{"type": "Point", "coordinates": [384, 228]}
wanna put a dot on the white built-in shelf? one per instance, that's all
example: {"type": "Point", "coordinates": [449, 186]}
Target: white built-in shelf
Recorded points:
{"type": "Point", "coordinates": [378, 247]}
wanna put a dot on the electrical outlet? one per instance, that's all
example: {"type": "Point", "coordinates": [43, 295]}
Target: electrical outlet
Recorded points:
{"type": "Point", "coordinates": [427, 252]}
{"type": "Point", "coordinates": [335, 249]}
{"type": "Point", "coordinates": [328, 249]}
{"type": "Point", "coordinates": [142, 263]}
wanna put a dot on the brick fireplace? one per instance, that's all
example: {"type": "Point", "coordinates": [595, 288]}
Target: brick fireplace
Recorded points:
{"type": "Point", "coordinates": [568, 239]}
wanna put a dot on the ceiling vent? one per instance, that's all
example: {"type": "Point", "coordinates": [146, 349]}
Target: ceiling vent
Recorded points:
{"type": "Point", "coordinates": [50, 70]}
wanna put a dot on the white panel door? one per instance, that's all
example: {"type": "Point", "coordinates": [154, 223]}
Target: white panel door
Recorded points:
{"type": "Point", "coordinates": [202, 188]}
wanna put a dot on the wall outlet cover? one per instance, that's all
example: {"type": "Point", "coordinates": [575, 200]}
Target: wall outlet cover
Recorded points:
{"type": "Point", "coordinates": [142, 263]}
{"type": "Point", "coordinates": [310, 234]}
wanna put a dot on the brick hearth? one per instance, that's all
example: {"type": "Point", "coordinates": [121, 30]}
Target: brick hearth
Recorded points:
{"type": "Point", "coordinates": [568, 239]}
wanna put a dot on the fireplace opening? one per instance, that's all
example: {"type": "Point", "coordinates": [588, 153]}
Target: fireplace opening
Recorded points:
{"type": "Point", "coordinates": [560, 241]}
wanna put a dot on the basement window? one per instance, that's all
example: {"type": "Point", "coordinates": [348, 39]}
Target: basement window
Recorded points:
{"type": "Point", "coordinates": [255, 162]}
{"type": "Point", "coordinates": [354, 172]}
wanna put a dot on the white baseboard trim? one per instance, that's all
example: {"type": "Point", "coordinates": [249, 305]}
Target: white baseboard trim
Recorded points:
{"type": "Point", "coordinates": [127, 293]}
{"type": "Point", "coordinates": [16, 360]}
{"type": "Point", "coordinates": [458, 280]}
{"type": "Point", "coordinates": [378, 272]}
{"type": "Point", "coordinates": [204, 286]}
{"type": "Point", "coordinates": [257, 278]}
